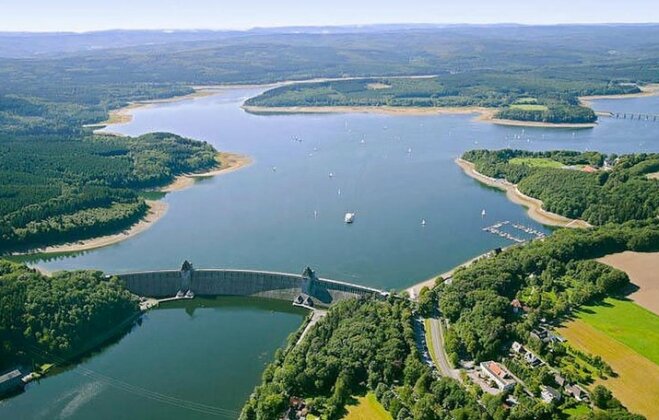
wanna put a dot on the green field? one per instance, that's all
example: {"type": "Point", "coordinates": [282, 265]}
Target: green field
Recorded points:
{"type": "Point", "coordinates": [529, 107]}
{"type": "Point", "coordinates": [628, 323]}
{"type": "Point", "coordinates": [536, 162]}
{"type": "Point", "coordinates": [367, 408]}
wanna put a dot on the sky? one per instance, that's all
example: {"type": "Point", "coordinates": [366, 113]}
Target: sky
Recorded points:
{"type": "Point", "coordinates": [94, 15]}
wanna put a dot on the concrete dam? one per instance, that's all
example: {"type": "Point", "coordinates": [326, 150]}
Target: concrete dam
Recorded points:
{"type": "Point", "coordinates": [306, 288]}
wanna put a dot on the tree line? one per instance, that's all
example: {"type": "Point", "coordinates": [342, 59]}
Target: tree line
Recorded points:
{"type": "Point", "coordinates": [617, 193]}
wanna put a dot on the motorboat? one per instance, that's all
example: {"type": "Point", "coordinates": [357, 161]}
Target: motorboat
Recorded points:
{"type": "Point", "coordinates": [349, 218]}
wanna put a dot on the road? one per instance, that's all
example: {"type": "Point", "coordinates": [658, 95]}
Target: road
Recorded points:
{"type": "Point", "coordinates": [317, 314]}
{"type": "Point", "coordinates": [436, 336]}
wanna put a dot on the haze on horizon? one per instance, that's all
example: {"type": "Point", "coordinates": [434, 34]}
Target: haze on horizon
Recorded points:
{"type": "Point", "coordinates": [82, 15]}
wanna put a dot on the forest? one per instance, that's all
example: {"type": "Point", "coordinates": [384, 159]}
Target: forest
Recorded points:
{"type": "Point", "coordinates": [360, 345]}
{"type": "Point", "coordinates": [57, 189]}
{"type": "Point", "coordinates": [48, 319]}
{"type": "Point", "coordinates": [617, 190]}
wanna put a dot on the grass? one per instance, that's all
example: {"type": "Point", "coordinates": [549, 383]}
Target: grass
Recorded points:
{"type": "Point", "coordinates": [529, 107]}
{"type": "Point", "coordinates": [579, 410]}
{"type": "Point", "coordinates": [628, 323]}
{"type": "Point", "coordinates": [367, 408]}
{"type": "Point", "coordinates": [536, 162]}
{"type": "Point", "coordinates": [429, 342]}
{"type": "Point", "coordinates": [626, 336]}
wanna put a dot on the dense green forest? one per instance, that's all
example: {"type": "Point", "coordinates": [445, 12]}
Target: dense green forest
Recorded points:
{"type": "Point", "coordinates": [617, 192]}
{"type": "Point", "coordinates": [57, 189]}
{"type": "Point", "coordinates": [520, 96]}
{"type": "Point", "coordinates": [360, 345]}
{"type": "Point", "coordinates": [43, 319]}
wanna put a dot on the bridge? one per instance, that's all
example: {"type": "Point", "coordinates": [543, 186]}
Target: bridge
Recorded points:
{"type": "Point", "coordinates": [304, 289]}
{"type": "Point", "coordinates": [631, 116]}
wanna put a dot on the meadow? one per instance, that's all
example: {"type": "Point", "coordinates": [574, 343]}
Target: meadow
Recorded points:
{"type": "Point", "coordinates": [626, 336]}
{"type": "Point", "coordinates": [367, 408]}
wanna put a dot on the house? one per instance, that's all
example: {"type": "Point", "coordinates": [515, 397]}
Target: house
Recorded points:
{"type": "Point", "coordinates": [532, 359]}
{"type": "Point", "coordinates": [11, 381]}
{"type": "Point", "coordinates": [549, 394]}
{"type": "Point", "coordinates": [577, 392]}
{"type": "Point", "coordinates": [498, 374]}
{"type": "Point", "coordinates": [542, 334]}
{"type": "Point", "coordinates": [560, 380]}
{"type": "Point", "coordinates": [517, 347]}
{"type": "Point", "coordinates": [588, 169]}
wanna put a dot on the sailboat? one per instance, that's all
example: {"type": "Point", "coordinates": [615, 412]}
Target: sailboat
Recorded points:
{"type": "Point", "coordinates": [349, 218]}
{"type": "Point", "coordinates": [423, 222]}
{"type": "Point", "coordinates": [483, 213]}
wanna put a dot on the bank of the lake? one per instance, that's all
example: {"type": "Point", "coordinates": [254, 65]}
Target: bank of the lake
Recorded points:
{"type": "Point", "coordinates": [227, 162]}
{"type": "Point", "coordinates": [483, 114]}
{"type": "Point", "coordinates": [533, 205]}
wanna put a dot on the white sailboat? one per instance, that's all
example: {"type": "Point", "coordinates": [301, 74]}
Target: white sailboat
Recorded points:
{"type": "Point", "coordinates": [483, 213]}
{"type": "Point", "coordinates": [349, 218]}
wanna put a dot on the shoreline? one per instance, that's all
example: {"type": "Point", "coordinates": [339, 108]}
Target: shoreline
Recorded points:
{"type": "Point", "coordinates": [651, 89]}
{"type": "Point", "coordinates": [484, 114]}
{"type": "Point", "coordinates": [229, 162]}
{"type": "Point", "coordinates": [157, 209]}
{"type": "Point", "coordinates": [533, 205]}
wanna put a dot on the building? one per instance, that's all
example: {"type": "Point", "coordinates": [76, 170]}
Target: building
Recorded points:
{"type": "Point", "coordinates": [498, 374]}
{"type": "Point", "coordinates": [589, 169]}
{"type": "Point", "coordinates": [577, 392]}
{"type": "Point", "coordinates": [11, 381]}
{"type": "Point", "coordinates": [549, 394]}
{"type": "Point", "coordinates": [532, 359]}
{"type": "Point", "coordinates": [517, 347]}
{"type": "Point", "coordinates": [560, 380]}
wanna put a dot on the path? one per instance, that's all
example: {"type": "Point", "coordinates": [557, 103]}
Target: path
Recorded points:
{"type": "Point", "coordinates": [316, 315]}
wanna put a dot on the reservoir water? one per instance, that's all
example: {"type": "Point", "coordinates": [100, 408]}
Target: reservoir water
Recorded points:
{"type": "Point", "coordinates": [285, 212]}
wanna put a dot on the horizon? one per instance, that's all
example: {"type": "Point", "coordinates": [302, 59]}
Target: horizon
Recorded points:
{"type": "Point", "coordinates": [78, 16]}
{"type": "Point", "coordinates": [401, 25]}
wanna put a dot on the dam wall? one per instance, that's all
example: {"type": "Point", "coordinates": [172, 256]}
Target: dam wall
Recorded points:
{"type": "Point", "coordinates": [222, 282]}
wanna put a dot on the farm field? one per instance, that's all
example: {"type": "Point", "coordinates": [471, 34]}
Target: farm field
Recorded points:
{"type": "Point", "coordinates": [628, 323]}
{"type": "Point", "coordinates": [642, 269]}
{"type": "Point", "coordinates": [529, 107]}
{"type": "Point", "coordinates": [536, 162]}
{"type": "Point", "coordinates": [367, 408]}
{"type": "Point", "coordinates": [626, 336]}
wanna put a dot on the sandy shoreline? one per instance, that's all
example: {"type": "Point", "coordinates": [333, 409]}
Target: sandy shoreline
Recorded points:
{"type": "Point", "coordinates": [157, 209]}
{"type": "Point", "coordinates": [534, 206]}
{"type": "Point", "coordinates": [647, 90]}
{"type": "Point", "coordinates": [229, 162]}
{"type": "Point", "coordinates": [484, 114]}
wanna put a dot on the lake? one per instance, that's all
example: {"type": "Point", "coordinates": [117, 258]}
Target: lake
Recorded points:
{"type": "Point", "coordinates": [283, 213]}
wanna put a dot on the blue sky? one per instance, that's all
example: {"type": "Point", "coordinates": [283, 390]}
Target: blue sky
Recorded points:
{"type": "Point", "coordinates": [86, 15]}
